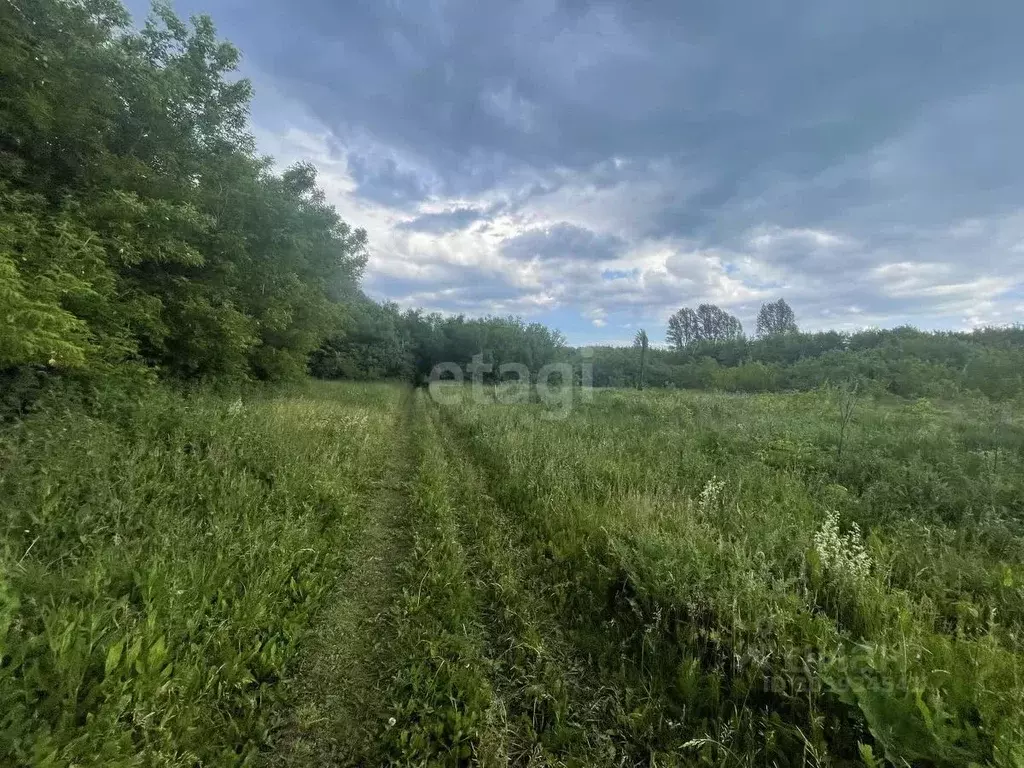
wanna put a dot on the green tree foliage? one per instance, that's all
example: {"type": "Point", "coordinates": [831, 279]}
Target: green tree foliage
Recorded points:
{"type": "Point", "coordinates": [708, 323]}
{"type": "Point", "coordinates": [375, 343]}
{"type": "Point", "coordinates": [682, 329]}
{"type": "Point", "coordinates": [137, 223]}
{"type": "Point", "coordinates": [775, 319]}
{"type": "Point", "coordinates": [718, 325]}
{"type": "Point", "coordinates": [381, 341]}
{"type": "Point", "coordinates": [496, 340]}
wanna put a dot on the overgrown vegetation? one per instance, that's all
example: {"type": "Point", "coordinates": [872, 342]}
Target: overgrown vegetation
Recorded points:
{"type": "Point", "coordinates": [138, 224]}
{"type": "Point", "coordinates": [383, 341]}
{"type": "Point", "coordinates": [751, 596]}
{"type": "Point", "coordinates": [830, 576]}
{"type": "Point", "coordinates": [659, 578]}
{"type": "Point", "coordinates": [159, 562]}
{"type": "Point", "coordinates": [901, 361]}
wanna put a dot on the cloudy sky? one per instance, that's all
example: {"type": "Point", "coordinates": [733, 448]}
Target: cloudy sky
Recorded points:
{"type": "Point", "coordinates": [597, 165]}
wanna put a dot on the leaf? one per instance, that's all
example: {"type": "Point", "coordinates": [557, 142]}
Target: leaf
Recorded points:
{"type": "Point", "coordinates": [113, 657]}
{"type": "Point", "coordinates": [157, 652]}
{"type": "Point", "coordinates": [868, 755]}
{"type": "Point", "coordinates": [134, 651]}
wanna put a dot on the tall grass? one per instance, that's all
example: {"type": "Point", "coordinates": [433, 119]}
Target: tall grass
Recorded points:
{"type": "Point", "coordinates": [159, 559]}
{"type": "Point", "coordinates": [656, 579]}
{"type": "Point", "coordinates": [708, 544]}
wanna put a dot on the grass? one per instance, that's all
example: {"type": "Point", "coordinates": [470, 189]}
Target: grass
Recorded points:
{"type": "Point", "coordinates": [160, 562]}
{"type": "Point", "coordinates": [688, 526]}
{"type": "Point", "coordinates": [656, 578]}
{"type": "Point", "coordinates": [337, 714]}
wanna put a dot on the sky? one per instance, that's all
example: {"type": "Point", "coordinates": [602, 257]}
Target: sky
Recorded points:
{"type": "Point", "coordinates": [598, 165]}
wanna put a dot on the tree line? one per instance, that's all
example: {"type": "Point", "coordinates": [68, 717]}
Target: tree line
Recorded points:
{"type": "Point", "coordinates": [382, 341]}
{"type": "Point", "coordinates": [902, 361]}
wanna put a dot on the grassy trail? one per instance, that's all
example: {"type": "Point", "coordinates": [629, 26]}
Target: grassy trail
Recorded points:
{"type": "Point", "coordinates": [339, 714]}
{"type": "Point", "coordinates": [442, 643]}
{"type": "Point", "coordinates": [491, 674]}
{"type": "Point", "coordinates": [574, 693]}
{"type": "Point", "coordinates": [543, 709]}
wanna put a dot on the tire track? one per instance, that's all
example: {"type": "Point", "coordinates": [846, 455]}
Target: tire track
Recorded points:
{"type": "Point", "coordinates": [340, 708]}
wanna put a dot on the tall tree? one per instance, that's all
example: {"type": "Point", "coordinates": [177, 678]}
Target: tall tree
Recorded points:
{"type": "Point", "coordinates": [640, 341]}
{"type": "Point", "coordinates": [775, 319]}
{"type": "Point", "coordinates": [682, 329]}
{"type": "Point", "coordinates": [718, 325]}
{"type": "Point", "coordinates": [707, 323]}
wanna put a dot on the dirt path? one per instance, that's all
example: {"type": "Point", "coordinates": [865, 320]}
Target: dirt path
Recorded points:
{"type": "Point", "coordinates": [339, 714]}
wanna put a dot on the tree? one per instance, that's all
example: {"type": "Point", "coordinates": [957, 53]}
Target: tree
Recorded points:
{"type": "Point", "coordinates": [718, 325]}
{"type": "Point", "coordinates": [776, 318]}
{"type": "Point", "coordinates": [708, 323]}
{"type": "Point", "coordinates": [374, 343]}
{"type": "Point", "coordinates": [641, 342]}
{"type": "Point", "coordinates": [682, 329]}
{"type": "Point", "coordinates": [137, 222]}
{"type": "Point", "coordinates": [378, 341]}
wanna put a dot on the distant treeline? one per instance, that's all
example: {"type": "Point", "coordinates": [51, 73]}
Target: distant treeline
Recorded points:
{"type": "Point", "coordinates": [902, 361]}
{"type": "Point", "coordinates": [381, 341]}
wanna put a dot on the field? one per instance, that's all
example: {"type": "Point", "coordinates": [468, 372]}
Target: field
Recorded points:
{"type": "Point", "coordinates": [366, 574]}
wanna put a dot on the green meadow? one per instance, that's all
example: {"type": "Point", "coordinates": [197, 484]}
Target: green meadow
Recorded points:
{"type": "Point", "coordinates": [238, 528]}
{"type": "Point", "coordinates": [344, 573]}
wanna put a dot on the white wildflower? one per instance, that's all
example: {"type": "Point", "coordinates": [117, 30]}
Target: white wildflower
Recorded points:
{"type": "Point", "coordinates": [709, 496]}
{"type": "Point", "coordinates": [235, 408]}
{"type": "Point", "coordinates": [839, 553]}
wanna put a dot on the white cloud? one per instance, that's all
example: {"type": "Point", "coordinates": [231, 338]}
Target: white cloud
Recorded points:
{"type": "Point", "coordinates": [771, 236]}
{"type": "Point", "coordinates": [597, 317]}
{"type": "Point", "coordinates": [832, 278]}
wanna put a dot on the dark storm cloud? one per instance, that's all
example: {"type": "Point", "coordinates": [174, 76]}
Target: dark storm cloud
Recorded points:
{"type": "Point", "coordinates": [736, 88]}
{"type": "Point", "coordinates": [382, 181]}
{"type": "Point", "coordinates": [701, 125]}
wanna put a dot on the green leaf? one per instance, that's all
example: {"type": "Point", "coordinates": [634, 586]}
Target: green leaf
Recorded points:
{"type": "Point", "coordinates": [113, 657]}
